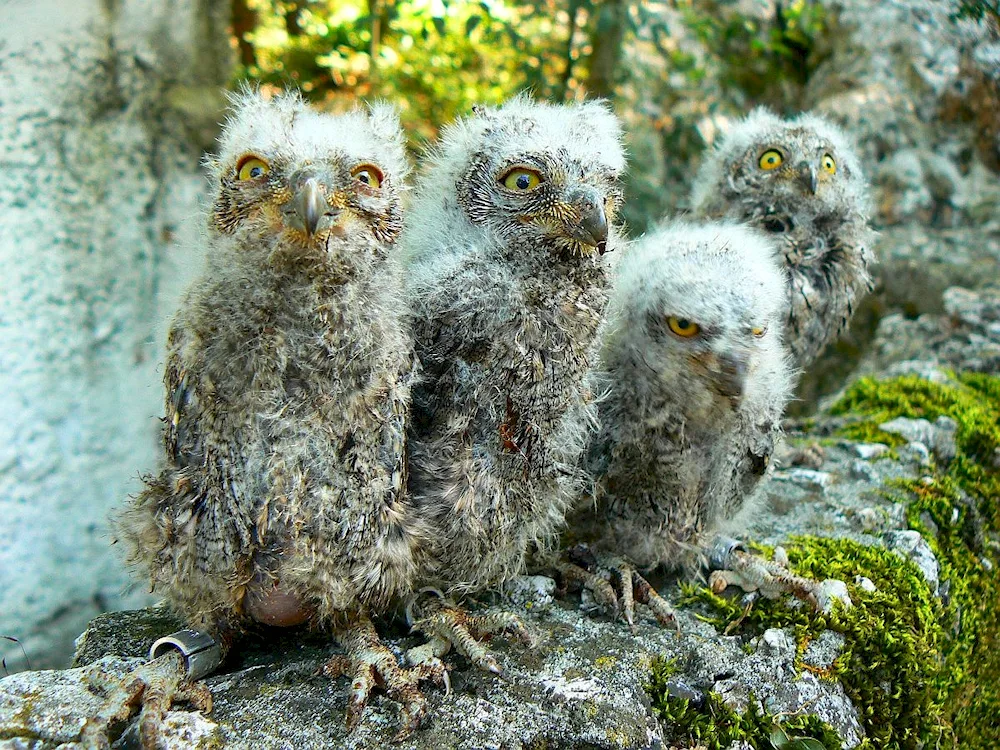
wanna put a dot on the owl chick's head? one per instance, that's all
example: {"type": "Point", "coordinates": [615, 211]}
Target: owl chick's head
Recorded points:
{"type": "Point", "coordinates": [696, 312]}
{"type": "Point", "coordinates": [305, 186]}
{"type": "Point", "coordinates": [531, 174]}
{"type": "Point", "coordinates": [800, 169]}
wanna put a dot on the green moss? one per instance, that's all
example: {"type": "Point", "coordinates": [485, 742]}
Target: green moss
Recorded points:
{"type": "Point", "coordinates": [956, 510]}
{"type": "Point", "coordinates": [714, 725]}
{"type": "Point", "coordinates": [867, 432]}
{"type": "Point", "coordinates": [974, 404]}
{"type": "Point", "coordinates": [949, 519]}
{"type": "Point", "coordinates": [921, 670]}
{"type": "Point", "coordinates": [892, 636]}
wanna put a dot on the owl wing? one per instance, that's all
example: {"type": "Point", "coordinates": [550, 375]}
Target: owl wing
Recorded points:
{"type": "Point", "coordinates": [754, 458]}
{"type": "Point", "coordinates": [394, 435]}
{"type": "Point", "coordinates": [182, 436]}
{"type": "Point", "coordinates": [461, 309]}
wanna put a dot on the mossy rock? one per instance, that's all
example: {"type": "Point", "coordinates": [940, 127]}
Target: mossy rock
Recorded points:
{"type": "Point", "coordinates": [921, 669]}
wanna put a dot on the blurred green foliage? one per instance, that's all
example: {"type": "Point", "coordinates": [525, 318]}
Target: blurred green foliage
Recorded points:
{"type": "Point", "coordinates": [669, 66]}
{"type": "Point", "coordinates": [435, 58]}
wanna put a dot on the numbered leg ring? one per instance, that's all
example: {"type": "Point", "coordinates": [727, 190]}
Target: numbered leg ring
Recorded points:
{"type": "Point", "coordinates": [200, 651]}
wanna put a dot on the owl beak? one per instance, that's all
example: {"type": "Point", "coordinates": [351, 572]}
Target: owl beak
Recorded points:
{"type": "Point", "coordinates": [731, 376]}
{"type": "Point", "coordinates": [592, 228]}
{"type": "Point", "coordinates": [809, 177]}
{"type": "Point", "coordinates": [309, 210]}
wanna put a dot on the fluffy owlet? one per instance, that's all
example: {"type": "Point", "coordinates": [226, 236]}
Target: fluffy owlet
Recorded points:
{"type": "Point", "coordinates": [799, 180]}
{"type": "Point", "coordinates": [281, 494]}
{"type": "Point", "coordinates": [696, 379]}
{"type": "Point", "coordinates": [504, 250]}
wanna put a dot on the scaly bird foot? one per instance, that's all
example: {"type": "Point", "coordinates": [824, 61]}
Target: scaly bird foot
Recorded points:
{"type": "Point", "coordinates": [447, 624]}
{"type": "Point", "coordinates": [370, 663]}
{"type": "Point", "coordinates": [732, 565]}
{"type": "Point", "coordinates": [169, 677]}
{"type": "Point", "coordinates": [619, 590]}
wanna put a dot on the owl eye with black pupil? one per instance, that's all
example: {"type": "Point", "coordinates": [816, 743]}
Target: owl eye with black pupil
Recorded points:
{"type": "Point", "coordinates": [251, 168]}
{"type": "Point", "coordinates": [368, 174]}
{"type": "Point", "coordinates": [683, 327]}
{"type": "Point", "coordinates": [771, 159]}
{"type": "Point", "coordinates": [521, 179]}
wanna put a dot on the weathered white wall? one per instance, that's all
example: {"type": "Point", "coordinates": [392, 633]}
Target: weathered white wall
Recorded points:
{"type": "Point", "coordinates": [105, 106]}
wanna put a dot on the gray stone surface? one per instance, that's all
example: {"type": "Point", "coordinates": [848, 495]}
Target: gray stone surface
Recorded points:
{"type": "Point", "coordinates": [100, 147]}
{"type": "Point", "coordinates": [938, 437]}
{"type": "Point", "coordinates": [966, 336]}
{"type": "Point", "coordinates": [582, 686]}
{"type": "Point", "coordinates": [910, 545]}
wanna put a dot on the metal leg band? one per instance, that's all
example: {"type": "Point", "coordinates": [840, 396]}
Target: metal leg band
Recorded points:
{"type": "Point", "coordinates": [722, 548]}
{"type": "Point", "coordinates": [200, 651]}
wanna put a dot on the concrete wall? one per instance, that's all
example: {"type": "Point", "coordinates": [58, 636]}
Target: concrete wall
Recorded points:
{"type": "Point", "coordinates": [105, 107]}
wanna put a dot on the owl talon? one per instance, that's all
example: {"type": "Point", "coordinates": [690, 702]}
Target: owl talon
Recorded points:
{"type": "Point", "coordinates": [449, 625]}
{"type": "Point", "coordinates": [602, 590]}
{"type": "Point", "coordinates": [662, 611]}
{"type": "Point", "coordinates": [621, 598]}
{"type": "Point", "coordinates": [370, 663]}
{"type": "Point", "coordinates": [626, 581]}
{"type": "Point", "coordinates": [772, 579]}
{"type": "Point", "coordinates": [426, 659]}
{"type": "Point", "coordinates": [156, 685]}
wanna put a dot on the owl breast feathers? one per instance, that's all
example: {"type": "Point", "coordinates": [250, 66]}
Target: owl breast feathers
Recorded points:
{"type": "Point", "coordinates": [696, 379]}
{"type": "Point", "coordinates": [799, 180]}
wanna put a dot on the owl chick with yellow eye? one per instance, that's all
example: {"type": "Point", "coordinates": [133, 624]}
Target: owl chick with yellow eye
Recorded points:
{"type": "Point", "coordinates": [799, 180]}
{"type": "Point", "coordinates": [280, 498]}
{"type": "Point", "coordinates": [696, 379]}
{"type": "Point", "coordinates": [504, 249]}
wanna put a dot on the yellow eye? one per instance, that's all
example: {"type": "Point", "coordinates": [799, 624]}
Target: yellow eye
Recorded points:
{"type": "Point", "coordinates": [683, 327]}
{"type": "Point", "coordinates": [521, 179]}
{"type": "Point", "coordinates": [828, 164]}
{"type": "Point", "coordinates": [758, 332]}
{"type": "Point", "coordinates": [252, 168]}
{"type": "Point", "coordinates": [771, 159]}
{"type": "Point", "coordinates": [368, 174]}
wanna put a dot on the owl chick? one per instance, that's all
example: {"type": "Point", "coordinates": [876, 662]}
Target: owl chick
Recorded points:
{"type": "Point", "coordinates": [281, 495]}
{"type": "Point", "coordinates": [696, 379]}
{"type": "Point", "coordinates": [504, 251]}
{"type": "Point", "coordinates": [799, 180]}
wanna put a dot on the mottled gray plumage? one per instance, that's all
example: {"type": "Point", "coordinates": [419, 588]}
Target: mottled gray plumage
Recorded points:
{"type": "Point", "coordinates": [288, 372]}
{"type": "Point", "coordinates": [696, 379]}
{"type": "Point", "coordinates": [508, 287]}
{"type": "Point", "coordinates": [815, 198]}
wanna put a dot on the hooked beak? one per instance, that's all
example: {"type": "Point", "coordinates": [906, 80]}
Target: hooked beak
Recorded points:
{"type": "Point", "coordinates": [308, 209]}
{"type": "Point", "coordinates": [731, 376]}
{"type": "Point", "coordinates": [592, 227]}
{"type": "Point", "coordinates": [809, 177]}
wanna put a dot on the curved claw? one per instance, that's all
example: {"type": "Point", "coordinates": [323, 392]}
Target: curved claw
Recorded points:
{"type": "Point", "coordinates": [370, 663]}
{"type": "Point", "coordinates": [412, 602]}
{"type": "Point", "coordinates": [157, 685]}
{"type": "Point", "coordinates": [450, 625]}
{"type": "Point", "coordinates": [772, 578]}
{"type": "Point", "coordinates": [602, 590]}
{"type": "Point", "coordinates": [426, 658]}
